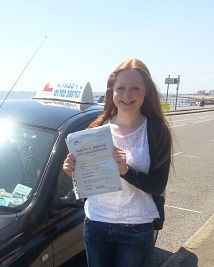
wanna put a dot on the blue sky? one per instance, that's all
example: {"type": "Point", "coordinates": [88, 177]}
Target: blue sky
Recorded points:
{"type": "Point", "coordinates": [89, 39]}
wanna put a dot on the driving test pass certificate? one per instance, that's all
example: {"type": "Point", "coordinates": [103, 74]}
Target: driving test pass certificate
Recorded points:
{"type": "Point", "coordinates": [95, 169]}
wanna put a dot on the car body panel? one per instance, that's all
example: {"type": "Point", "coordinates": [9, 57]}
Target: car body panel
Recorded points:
{"type": "Point", "coordinates": [39, 233]}
{"type": "Point", "coordinates": [45, 113]}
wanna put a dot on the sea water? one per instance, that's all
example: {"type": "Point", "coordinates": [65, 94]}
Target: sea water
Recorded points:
{"type": "Point", "coordinates": [181, 101]}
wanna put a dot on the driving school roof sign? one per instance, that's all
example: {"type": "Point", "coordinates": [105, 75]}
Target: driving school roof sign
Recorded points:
{"type": "Point", "coordinates": [77, 92]}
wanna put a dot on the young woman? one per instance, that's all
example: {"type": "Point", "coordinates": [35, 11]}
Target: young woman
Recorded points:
{"type": "Point", "coordinates": [119, 226]}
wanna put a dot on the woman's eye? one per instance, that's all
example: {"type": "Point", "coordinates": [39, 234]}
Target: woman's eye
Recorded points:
{"type": "Point", "coordinates": [136, 88]}
{"type": "Point", "coordinates": [120, 88]}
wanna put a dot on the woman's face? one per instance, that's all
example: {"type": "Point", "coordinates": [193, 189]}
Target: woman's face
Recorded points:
{"type": "Point", "coordinates": [129, 91]}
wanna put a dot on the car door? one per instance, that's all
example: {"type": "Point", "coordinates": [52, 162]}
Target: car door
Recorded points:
{"type": "Point", "coordinates": [70, 241]}
{"type": "Point", "coordinates": [62, 229]}
{"type": "Point", "coordinates": [44, 259]}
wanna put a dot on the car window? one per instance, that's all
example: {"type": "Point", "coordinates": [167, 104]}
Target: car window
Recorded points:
{"type": "Point", "coordinates": [64, 184]}
{"type": "Point", "coordinates": [24, 151]}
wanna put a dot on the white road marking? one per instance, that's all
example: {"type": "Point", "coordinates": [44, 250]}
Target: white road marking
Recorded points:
{"type": "Point", "coordinates": [189, 156]}
{"type": "Point", "coordinates": [202, 121]}
{"type": "Point", "coordinates": [189, 121]}
{"type": "Point", "coordinates": [183, 209]}
{"type": "Point", "coordinates": [181, 120]}
{"type": "Point", "coordinates": [174, 126]}
{"type": "Point", "coordinates": [205, 117]}
{"type": "Point", "coordinates": [176, 154]}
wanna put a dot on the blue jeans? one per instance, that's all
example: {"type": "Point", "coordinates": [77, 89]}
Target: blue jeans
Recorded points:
{"type": "Point", "coordinates": [117, 245]}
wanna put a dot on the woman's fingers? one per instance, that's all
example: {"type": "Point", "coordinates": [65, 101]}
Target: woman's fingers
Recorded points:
{"type": "Point", "coordinates": [119, 154]}
{"type": "Point", "coordinates": [68, 165]}
{"type": "Point", "coordinates": [120, 158]}
{"type": "Point", "coordinates": [70, 158]}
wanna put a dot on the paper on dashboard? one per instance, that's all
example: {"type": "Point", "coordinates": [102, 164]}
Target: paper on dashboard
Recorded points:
{"type": "Point", "coordinates": [95, 169]}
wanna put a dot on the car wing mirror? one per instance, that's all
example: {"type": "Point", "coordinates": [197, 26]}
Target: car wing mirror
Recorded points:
{"type": "Point", "coordinates": [68, 201]}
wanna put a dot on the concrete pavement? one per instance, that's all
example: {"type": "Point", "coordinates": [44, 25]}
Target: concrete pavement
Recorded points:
{"type": "Point", "coordinates": [189, 109]}
{"type": "Point", "coordinates": [198, 251]}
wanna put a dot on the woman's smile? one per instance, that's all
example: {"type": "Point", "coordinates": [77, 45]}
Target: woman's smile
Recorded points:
{"type": "Point", "coordinates": [127, 103]}
{"type": "Point", "coordinates": [129, 91]}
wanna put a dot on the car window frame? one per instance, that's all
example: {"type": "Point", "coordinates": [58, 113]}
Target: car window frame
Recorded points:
{"type": "Point", "coordinates": [59, 213]}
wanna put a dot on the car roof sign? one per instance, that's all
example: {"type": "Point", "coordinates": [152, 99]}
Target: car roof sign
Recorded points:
{"type": "Point", "coordinates": [67, 91]}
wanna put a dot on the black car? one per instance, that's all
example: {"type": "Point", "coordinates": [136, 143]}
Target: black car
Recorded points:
{"type": "Point", "coordinates": [40, 219]}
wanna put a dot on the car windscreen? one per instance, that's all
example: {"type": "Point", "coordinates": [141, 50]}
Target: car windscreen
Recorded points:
{"type": "Point", "coordinates": [24, 151]}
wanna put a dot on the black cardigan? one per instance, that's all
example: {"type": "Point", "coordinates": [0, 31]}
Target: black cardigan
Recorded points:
{"type": "Point", "coordinates": [155, 181]}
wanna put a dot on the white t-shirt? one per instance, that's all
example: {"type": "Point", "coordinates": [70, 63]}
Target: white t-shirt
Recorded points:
{"type": "Point", "coordinates": [131, 205]}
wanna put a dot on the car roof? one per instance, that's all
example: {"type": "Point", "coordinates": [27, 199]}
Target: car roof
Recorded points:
{"type": "Point", "coordinates": [44, 113]}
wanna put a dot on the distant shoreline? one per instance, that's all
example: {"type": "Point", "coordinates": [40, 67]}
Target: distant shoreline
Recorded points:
{"type": "Point", "coordinates": [30, 94]}
{"type": "Point", "coordinates": [17, 94]}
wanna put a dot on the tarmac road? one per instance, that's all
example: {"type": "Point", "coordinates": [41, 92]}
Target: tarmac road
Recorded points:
{"type": "Point", "coordinates": [190, 197]}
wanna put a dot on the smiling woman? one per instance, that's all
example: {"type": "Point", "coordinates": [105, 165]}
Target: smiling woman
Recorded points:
{"type": "Point", "coordinates": [119, 226]}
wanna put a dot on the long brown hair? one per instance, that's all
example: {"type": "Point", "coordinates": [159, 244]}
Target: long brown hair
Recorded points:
{"type": "Point", "coordinates": [151, 107]}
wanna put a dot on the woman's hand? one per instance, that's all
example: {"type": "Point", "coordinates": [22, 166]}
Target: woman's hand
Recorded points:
{"type": "Point", "coordinates": [68, 165]}
{"type": "Point", "coordinates": [120, 158]}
